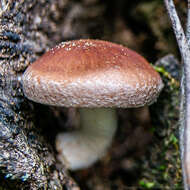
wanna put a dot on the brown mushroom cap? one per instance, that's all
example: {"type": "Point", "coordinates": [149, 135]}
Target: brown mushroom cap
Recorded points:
{"type": "Point", "coordinates": [91, 73]}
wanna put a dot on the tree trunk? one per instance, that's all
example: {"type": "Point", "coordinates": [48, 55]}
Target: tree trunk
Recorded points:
{"type": "Point", "coordinates": [27, 29]}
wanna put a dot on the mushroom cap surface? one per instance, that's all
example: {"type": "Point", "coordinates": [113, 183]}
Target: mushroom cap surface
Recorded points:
{"type": "Point", "coordinates": [91, 73]}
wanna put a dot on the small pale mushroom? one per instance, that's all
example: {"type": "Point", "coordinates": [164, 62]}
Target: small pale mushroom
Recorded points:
{"type": "Point", "coordinates": [96, 77]}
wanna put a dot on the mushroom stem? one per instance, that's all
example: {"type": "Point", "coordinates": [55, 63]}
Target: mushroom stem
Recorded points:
{"type": "Point", "coordinates": [84, 147]}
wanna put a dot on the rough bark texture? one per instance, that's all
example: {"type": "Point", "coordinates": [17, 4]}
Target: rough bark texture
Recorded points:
{"type": "Point", "coordinates": [27, 29]}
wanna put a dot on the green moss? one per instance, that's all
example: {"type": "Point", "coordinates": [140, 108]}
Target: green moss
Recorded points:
{"type": "Point", "coordinates": [146, 184]}
{"type": "Point", "coordinates": [162, 168]}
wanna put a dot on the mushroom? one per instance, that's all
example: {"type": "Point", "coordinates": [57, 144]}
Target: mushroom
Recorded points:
{"type": "Point", "coordinates": [96, 77]}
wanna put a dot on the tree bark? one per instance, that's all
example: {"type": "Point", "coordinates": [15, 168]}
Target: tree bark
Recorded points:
{"type": "Point", "coordinates": [27, 29]}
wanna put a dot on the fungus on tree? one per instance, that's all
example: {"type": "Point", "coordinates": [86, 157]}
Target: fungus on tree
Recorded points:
{"type": "Point", "coordinates": [96, 77]}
